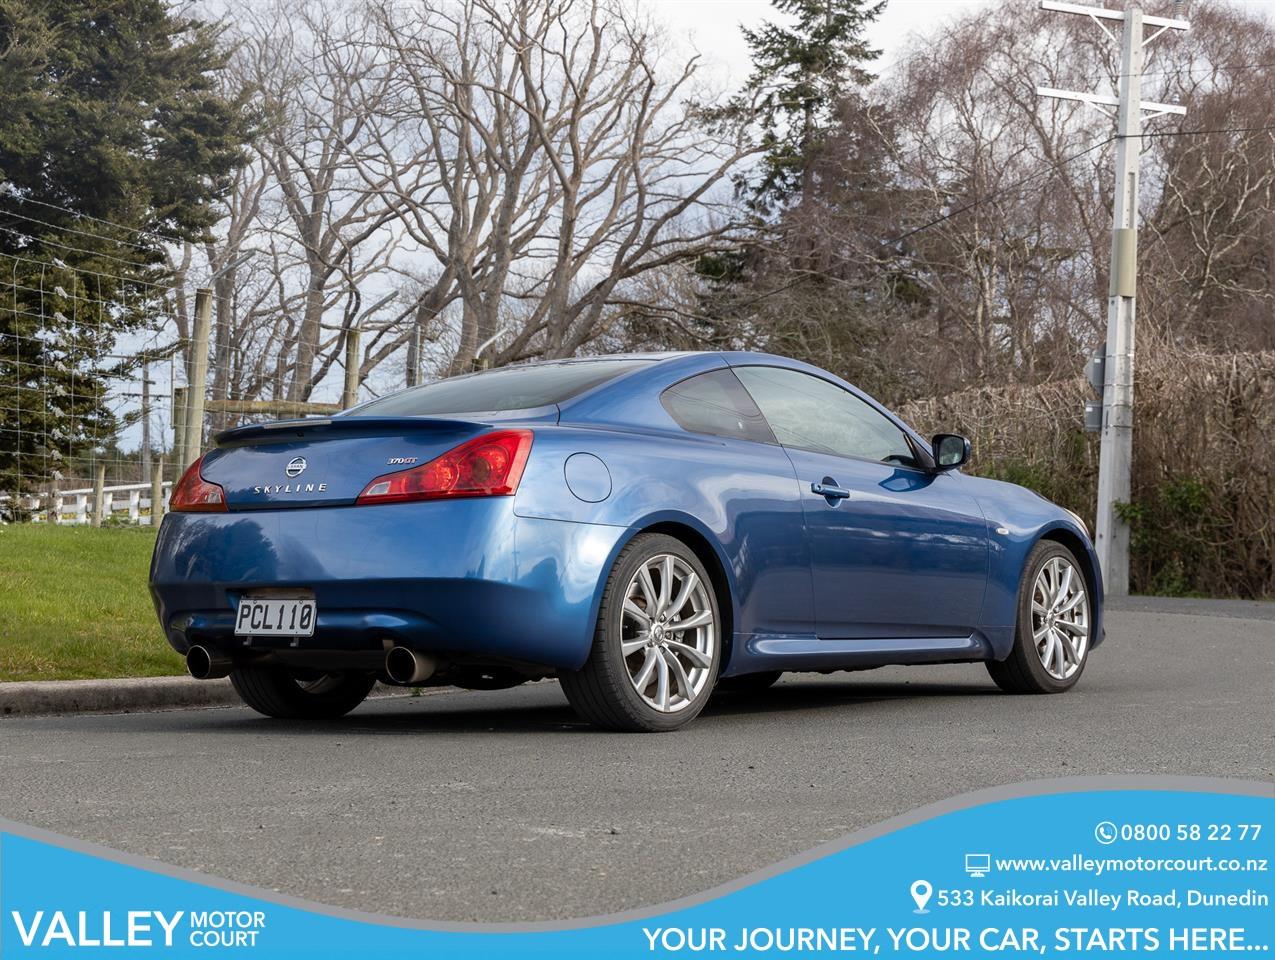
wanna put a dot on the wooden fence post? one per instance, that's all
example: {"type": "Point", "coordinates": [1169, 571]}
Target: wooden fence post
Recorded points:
{"type": "Point", "coordinates": [179, 428]}
{"type": "Point", "coordinates": [196, 394]}
{"type": "Point", "coordinates": [350, 395]}
{"type": "Point", "coordinates": [157, 492]}
{"type": "Point", "coordinates": [99, 482]}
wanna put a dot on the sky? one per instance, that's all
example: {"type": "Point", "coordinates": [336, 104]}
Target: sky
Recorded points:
{"type": "Point", "coordinates": [712, 27]}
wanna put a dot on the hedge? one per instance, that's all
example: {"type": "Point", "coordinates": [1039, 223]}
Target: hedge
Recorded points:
{"type": "Point", "coordinates": [1202, 510]}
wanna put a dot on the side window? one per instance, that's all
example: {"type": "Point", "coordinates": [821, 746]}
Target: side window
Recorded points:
{"type": "Point", "coordinates": [716, 403]}
{"type": "Point", "coordinates": [812, 414]}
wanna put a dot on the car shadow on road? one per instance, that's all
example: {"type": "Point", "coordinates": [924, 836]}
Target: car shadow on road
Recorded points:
{"type": "Point", "coordinates": [796, 696]}
{"type": "Point", "coordinates": [542, 709]}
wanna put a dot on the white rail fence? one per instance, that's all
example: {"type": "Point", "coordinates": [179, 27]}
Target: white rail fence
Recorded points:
{"type": "Point", "coordinates": [125, 503]}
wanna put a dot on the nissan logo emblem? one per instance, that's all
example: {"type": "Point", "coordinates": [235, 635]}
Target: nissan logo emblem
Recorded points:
{"type": "Point", "coordinates": [296, 466]}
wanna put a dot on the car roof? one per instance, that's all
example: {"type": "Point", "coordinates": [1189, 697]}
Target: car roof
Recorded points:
{"type": "Point", "coordinates": [631, 399]}
{"type": "Point", "coordinates": [661, 355]}
{"type": "Point", "coordinates": [650, 355]}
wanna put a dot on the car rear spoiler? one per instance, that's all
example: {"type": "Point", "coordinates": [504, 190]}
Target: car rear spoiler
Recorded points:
{"type": "Point", "coordinates": [324, 428]}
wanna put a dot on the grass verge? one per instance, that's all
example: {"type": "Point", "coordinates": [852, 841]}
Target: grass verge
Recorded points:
{"type": "Point", "coordinates": [74, 604]}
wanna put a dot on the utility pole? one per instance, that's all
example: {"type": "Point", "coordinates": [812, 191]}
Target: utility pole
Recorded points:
{"type": "Point", "coordinates": [1112, 535]}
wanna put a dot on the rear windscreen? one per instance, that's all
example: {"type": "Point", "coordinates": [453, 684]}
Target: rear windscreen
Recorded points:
{"type": "Point", "coordinates": [508, 388]}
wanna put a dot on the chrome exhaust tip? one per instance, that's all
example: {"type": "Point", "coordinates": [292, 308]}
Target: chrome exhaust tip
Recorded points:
{"type": "Point", "coordinates": [405, 666]}
{"type": "Point", "coordinates": [204, 664]}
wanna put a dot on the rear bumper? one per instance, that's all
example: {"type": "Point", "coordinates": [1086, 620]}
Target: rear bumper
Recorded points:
{"type": "Point", "coordinates": [465, 578]}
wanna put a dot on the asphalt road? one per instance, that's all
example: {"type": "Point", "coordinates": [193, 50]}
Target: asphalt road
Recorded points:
{"type": "Point", "coordinates": [501, 806]}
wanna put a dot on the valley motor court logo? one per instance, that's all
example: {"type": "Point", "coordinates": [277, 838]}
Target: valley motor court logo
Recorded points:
{"type": "Point", "coordinates": [138, 928]}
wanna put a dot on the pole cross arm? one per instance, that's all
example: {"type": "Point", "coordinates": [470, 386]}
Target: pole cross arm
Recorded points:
{"type": "Point", "coordinates": [1168, 23]}
{"type": "Point", "coordinates": [1103, 100]}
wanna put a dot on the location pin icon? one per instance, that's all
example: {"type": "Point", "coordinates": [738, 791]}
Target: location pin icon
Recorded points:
{"type": "Point", "coordinates": [921, 891]}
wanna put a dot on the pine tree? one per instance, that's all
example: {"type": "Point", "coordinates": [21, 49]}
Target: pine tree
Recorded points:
{"type": "Point", "coordinates": [810, 282]}
{"type": "Point", "coordinates": [113, 140]}
{"type": "Point", "coordinates": [800, 73]}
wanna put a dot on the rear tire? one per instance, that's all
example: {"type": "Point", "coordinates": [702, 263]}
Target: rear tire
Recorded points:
{"type": "Point", "coordinates": [644, 662]}
{"type": "Point", "coordinates": [283, 694]}
{"type": "Point", "coordinates": [1052, 638]}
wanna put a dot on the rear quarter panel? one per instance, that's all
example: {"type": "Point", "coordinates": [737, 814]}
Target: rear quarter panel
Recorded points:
{"type": "Point", "coordinates": [741, 498]}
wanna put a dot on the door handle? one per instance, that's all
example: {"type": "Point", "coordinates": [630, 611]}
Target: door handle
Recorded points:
{"type": "Point", "coordinates": [830, 490]}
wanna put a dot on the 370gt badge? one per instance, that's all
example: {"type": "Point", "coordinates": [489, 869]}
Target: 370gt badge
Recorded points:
{"type": "Point", "coordinates": [396, 461]}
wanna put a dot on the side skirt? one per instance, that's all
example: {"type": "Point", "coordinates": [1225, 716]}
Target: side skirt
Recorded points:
{"type": "Point", "coordinates": [809, 653]}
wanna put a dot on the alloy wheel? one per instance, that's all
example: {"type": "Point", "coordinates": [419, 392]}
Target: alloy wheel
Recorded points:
{"type": "Point", "coordinates": [668, 634]}
{"type": "Point", "coordinates": [1060, 618]}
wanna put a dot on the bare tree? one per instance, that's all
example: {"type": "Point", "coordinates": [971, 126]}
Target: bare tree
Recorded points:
{"type": "Point", "coordinates": [559, 160]}
{"type": "Point", "coordinates": [223, 253]}
{"type": "Point", "coordinates": [319, 82]}
{"type": "Point", "coordinates": [1211, 234]}
{"type": "Point", "coordinates": [1001, 206]}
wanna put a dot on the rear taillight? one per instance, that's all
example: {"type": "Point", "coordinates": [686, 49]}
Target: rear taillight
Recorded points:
{"type": "Point", "coordinates": [194, 494]}
{"type": "Point", "coordinates": [489, 465]}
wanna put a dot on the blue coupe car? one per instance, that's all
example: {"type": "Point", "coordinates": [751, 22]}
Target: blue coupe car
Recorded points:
{"type": "Point", "coordinates": [646, 528]}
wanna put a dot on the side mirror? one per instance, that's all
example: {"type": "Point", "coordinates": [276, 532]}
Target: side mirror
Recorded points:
{"type": "Point", "coordinates": [950, 451]}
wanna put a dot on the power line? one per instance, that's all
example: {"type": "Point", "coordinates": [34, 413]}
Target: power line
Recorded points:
{"type": "Point", "coordinates": [988, 198]}
{"type": "Point", "coordinates": [978, 201]}
{"type": "Point", "coordinates": [9, 189]}
{"type": "Point", "coordinates": [169, 287]}
{"type": "Point", "coordinates": [1194, 133]}
{"type": "Point", "coordinates": [71, 249]}
{"type": "Point", "coordinates": [1188, 68]}
{"type": "Point", "coordinates": [82, 233]}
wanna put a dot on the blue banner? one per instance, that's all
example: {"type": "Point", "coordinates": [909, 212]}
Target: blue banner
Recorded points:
{"type": "Point", "coordinates": [1075, 870]}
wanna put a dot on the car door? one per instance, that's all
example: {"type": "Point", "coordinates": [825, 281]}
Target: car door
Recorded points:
{"type": "Point", "coordinates": [896, 549]}
{"type": "Point", "coordinates": [763, 526]}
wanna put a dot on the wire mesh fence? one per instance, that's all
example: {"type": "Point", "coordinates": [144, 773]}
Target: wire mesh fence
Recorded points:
{"type": "Point", "coordinates": [111, 381]}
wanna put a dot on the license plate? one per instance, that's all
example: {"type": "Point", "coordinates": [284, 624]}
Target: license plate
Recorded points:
{"type": "Point", "coordinates": [275, 617]}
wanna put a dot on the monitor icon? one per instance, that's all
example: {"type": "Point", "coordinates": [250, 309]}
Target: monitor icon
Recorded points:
{"type": "Point", "coordinates": [978, 864]}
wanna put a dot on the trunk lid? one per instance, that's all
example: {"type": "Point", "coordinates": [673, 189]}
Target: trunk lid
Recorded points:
{"type": "Point", "coordinates": [324, 463]}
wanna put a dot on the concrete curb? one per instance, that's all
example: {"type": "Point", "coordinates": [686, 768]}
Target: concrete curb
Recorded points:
{"type": "Point", "coordinates": [129, 695]}
{"type": "Point", "coordinates": [112, 696]}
